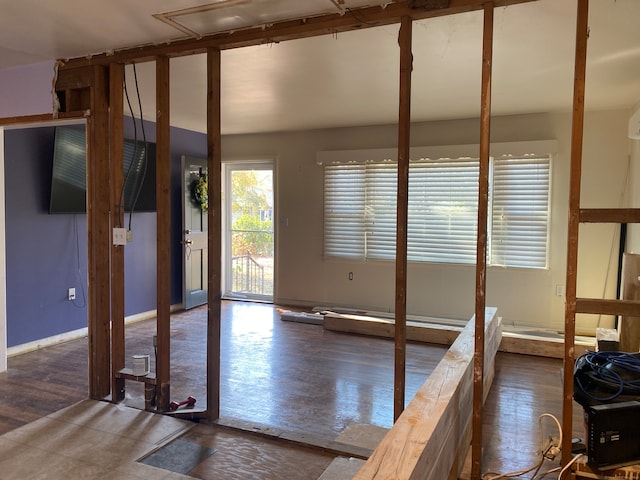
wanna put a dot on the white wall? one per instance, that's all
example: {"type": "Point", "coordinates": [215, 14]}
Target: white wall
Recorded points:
{"type": "Point", "coordinates": [26, 90]}
{"type": "Point", "coordinates": [633, 239]}
{"type": "Point", "coordinates": [23, 91]}
{"type": "Point", "coordinates": [523, 297]}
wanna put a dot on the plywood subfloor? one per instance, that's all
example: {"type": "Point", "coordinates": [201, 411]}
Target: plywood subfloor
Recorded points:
{"type": "Point", "coordinates": [89, 440]}
{"type": "Point", "coordinates": [100, 440]}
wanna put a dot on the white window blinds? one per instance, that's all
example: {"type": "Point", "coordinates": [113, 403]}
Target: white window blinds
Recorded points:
{"type": "Point", "coordinates": [520, 212]}
{"type": "Point", "coordinates": [360, 211]}
{"type": "Point", "coordinates": [344, 211]}
{"type": "Point", "coordinates": [443, 211]}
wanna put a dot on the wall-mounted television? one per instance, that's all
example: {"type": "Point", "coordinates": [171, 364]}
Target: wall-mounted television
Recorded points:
{"type": "Point", "coordinates": [69, 173]}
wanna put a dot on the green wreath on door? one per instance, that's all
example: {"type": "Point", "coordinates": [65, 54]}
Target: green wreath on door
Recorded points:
{"type": "Point", "coordinates": [200, 192]}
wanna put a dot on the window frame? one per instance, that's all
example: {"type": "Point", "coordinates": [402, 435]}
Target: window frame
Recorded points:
{"type": "Point", "coordinates": [434, 158]}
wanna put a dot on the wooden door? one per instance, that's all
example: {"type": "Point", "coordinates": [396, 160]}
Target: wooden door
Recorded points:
{"type": "Point", "coordinates": [194, 231]}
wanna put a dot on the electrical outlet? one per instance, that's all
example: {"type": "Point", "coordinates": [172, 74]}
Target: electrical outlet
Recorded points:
{"type": "Point", "coordinates": [71, 294]}
{"type": "Point", "coordinates": [552, 449]}
{"type": "Point", "coordinates": [119, 236]}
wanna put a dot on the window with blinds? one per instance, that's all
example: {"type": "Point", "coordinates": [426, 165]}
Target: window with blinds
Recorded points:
{"type": "Point", "coordinates": [360, 211]}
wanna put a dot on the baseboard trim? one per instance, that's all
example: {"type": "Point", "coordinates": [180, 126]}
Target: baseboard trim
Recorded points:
{"type": "Point", "coordinates": [79, 333]}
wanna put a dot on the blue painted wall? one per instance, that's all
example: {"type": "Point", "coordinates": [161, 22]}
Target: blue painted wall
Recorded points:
{"type": "Point", "coordinates": [47, 254]}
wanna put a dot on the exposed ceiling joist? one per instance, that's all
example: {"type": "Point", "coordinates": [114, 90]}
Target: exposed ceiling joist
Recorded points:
{"type": "Point", "coordinates": [355, 19]}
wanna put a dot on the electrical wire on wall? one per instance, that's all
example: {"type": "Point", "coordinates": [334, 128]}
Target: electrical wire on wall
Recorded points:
{"type": "Point", "coordinates": [145, 153]}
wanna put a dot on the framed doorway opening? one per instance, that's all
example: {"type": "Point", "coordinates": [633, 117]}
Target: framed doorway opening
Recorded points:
{"type": "Point", "coordinates": [248, 214]}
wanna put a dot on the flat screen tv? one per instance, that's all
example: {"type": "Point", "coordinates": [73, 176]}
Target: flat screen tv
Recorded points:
{"type": "Point", "coordinates": [69, 173]}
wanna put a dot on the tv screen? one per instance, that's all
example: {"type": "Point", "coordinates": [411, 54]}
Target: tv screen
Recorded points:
{"type": "Point", "coordinates": [69, 173]}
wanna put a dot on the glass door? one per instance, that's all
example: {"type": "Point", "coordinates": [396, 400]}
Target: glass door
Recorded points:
{"type": "Point", "coordinates": [248, 254]}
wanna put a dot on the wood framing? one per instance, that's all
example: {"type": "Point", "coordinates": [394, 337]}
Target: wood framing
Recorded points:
{"type": "Point", "coordinates": [82, 85]}
{"type": "Point", "coordinates": [431, 438]}
{"type": "Point", "coordinates": [99, 235]}
{"type": "Point", "coordinates": [609, 215]}
{"type": "Point", "coordinates": [481, 246]}
{"type": "Point", "coordinates": [214, 238]}
{"type": "Point", "coordinates": [599, 306]}
{"type": "Point", "coordinates": [26, 119]}
{"type": "Point", "coordinates": [404, 137]}
{"type": "Point", "coordinates": [573, 228]}
{"type": "Point", "coordinates": [357, 19]}
{"type": "Point", "coordinates": [163, 220]}
{"type": "Point", "coordinates": [116, 152]}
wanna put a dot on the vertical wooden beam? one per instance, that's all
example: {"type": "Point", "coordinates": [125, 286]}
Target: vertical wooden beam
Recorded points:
{"type": "Point", "coordinates": [99, 237]}
{"type": "Point", "coordinates": [582, 33]}
{"type": "Point", "coordinates": [481, 252]}
{"type": "Point", "coordinates": [116, 149]}
{"type": "Point", "coordinates": [163, 219]}
{"type": "Point", "coordinates": [214, 266]}
{"type": "Point", "coordinates": [404, 128]}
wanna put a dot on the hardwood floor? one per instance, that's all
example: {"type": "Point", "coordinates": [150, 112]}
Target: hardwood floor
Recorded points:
{"type": "Point", "coordinates": [294, 377]}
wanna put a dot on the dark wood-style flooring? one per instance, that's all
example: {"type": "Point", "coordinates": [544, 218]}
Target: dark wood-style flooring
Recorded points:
{"type": "Point", "coordinates": [294, 377]}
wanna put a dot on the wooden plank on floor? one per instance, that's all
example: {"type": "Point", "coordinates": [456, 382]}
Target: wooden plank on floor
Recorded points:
{"type": "Point", "coordinates": [341, 468]}
{"type": "Point", "coordinates": [380, 327]}
{"type": "Point", "coordinates": [526, 344]}
{"type": "Point", "coordinates": [539, 346]}
{"type": "Point", "coordinates": [432, 434]}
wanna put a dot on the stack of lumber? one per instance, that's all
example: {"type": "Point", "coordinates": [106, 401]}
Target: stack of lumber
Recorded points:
{"type": "Point", "coordinates": [431, 438]}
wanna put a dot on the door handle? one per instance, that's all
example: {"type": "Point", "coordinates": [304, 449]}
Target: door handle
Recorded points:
{"type": "Point", "coordinates": [187, 242]}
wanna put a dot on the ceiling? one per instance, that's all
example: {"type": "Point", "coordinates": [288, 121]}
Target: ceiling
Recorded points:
{"type": "Point", "coordinates": [345, 79]}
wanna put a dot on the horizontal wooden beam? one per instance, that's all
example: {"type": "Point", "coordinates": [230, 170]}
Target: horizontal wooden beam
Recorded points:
{"type": "Point", "coordinates": [354, 19]}
{"type": "Point", "coordinates": [27, 119]}
{"type": "Point", "coordinates": [45, 119]}
{"type": "Point", "coordinates": [610, 215]}
{"type": "Point", "coordinates": [608, 307]}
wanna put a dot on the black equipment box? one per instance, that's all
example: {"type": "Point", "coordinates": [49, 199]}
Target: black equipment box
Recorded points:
{"type": "Point", "coordinates": [613, 434]}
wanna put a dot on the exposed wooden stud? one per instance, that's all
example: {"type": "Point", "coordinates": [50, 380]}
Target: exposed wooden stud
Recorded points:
{"type": "Point", "coordinates": [214, 239]}
{"type": "Point", "coordinates": [481, 251]}
{"type": "Point", "coordinates": [404, 143]}
{"type": "Point", "coordinates": [116, 149]}
{"type": "Point", "coordinates": [329, 24]}
{"type": "Point", "coordinates": [163, 219]}
{"type": "Point", "coordinates": [99, 235]}
{"type": "Point", "coordinates": [582, 34]}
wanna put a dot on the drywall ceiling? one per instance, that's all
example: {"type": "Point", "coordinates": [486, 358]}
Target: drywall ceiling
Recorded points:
{"type": "Point", "coordinates": [348, 78]}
